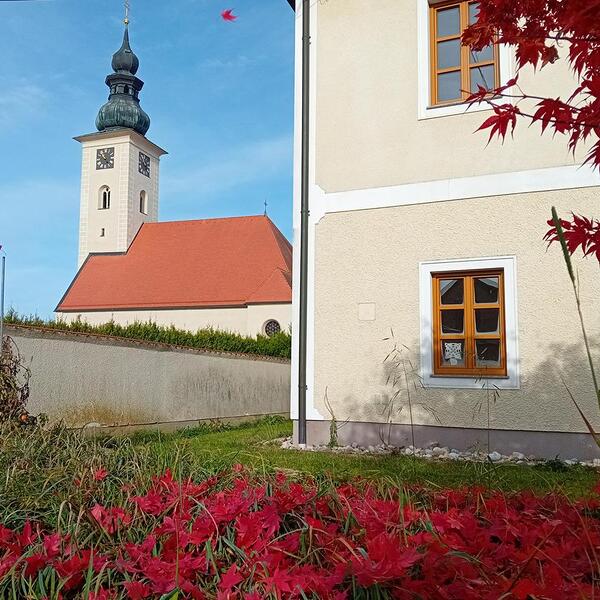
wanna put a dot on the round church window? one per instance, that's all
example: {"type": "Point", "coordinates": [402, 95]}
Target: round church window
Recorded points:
{"type": "Point", "coordinates": [272, 327]}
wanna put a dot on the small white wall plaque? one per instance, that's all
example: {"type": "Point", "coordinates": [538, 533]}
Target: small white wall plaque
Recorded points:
{"type": "Point", "coordinates": [366, 311]}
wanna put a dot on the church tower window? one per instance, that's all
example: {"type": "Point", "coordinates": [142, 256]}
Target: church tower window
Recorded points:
{"type": "Point", "coordinates": [144, 202]}
{"type": "Point", "coordinates": [104, 198]}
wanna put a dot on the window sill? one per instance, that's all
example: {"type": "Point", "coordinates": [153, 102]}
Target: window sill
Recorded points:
{"type": "Point", "coordinates": [468, 382]}
{"type": "Point", "coordinates": [473, 377]}
{"type": "Point", "coordinates": [450, 109]}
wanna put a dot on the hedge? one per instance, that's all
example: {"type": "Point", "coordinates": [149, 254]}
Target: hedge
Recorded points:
{"type": "Point", "coordinates": [278, 345]}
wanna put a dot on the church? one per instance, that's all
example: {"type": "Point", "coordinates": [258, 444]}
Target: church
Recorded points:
{"type": "Point", "coordinates": [231, 274]}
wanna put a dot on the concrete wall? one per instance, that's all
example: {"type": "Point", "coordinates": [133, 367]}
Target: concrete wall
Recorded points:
{"type": "Point", "coordinates": [368, 93]}
{"type": "Point", "coordinates": [248, 320]}
{"type": "Point", "coordinates": [94, 379]}
{"type": "Point", "coordinates": [384, 269]}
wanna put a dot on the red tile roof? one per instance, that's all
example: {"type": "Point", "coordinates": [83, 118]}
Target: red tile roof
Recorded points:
{"type": "Point", "coordinates": [206, 263]}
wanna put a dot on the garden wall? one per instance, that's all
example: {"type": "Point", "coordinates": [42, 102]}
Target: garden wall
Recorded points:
{"type": "Point", "coordinates": [84, 379]}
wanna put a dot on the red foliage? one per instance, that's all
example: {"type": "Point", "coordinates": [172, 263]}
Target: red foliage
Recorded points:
{"type": "Point", "coordinates": [245, 540]}
{"type": "Point", "coordinates": [537, 29]}
{"type": "Point", "coordinates": [227, 15]}
{"type": "Point", "coordinates": [581, 232]}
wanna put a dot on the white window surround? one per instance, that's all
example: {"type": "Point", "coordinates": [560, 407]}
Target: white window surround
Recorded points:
{"type": "Point", "coordinates": [425, 110]}
{"type": "Point", "coordinates": [509, 265]}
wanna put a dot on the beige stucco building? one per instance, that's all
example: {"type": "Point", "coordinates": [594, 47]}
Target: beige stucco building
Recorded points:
{"type": "Point", "coordinates": [423, 237]}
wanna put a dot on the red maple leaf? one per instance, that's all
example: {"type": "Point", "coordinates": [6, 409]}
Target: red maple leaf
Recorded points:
{"type": "Point", "coordinates": [227, 15]}
{"type": "Point", "coordinates": [230, 579]}
{"type": "Point", "coordinates": [136, 590]}
{"type": "Point", "coordinates": [100, 474]}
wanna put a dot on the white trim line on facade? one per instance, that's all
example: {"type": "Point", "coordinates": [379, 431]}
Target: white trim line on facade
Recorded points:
{"type": "Point", "coordinates": [509, 265]}
{"type": "Point", "coordinates": [480, 186]}
{"type": "Point", "coordinates": [425, 110]}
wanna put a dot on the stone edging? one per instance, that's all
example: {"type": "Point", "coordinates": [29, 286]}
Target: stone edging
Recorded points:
{"type": "Point", "coordinates": [437, 453]}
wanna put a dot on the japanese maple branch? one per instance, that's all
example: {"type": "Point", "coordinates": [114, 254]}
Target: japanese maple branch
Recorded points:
{"type": "Point", "coordinates": [563, 242]}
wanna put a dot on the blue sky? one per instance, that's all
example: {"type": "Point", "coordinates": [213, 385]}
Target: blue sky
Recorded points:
{"type": "Point", "coordinates": [220, 96]}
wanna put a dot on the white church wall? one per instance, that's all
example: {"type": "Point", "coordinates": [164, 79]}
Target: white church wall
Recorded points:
{"type": "Point", "coordinates": [246, 321]}
{"type": "Point", "coordinates": [259, 314]}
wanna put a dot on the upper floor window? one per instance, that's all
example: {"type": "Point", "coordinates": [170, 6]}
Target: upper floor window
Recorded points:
{"type": "Point", "coordinates": [104, 198]}
{"type": "Point", "coordinates": [143, 202]}
{"type": "Point", "coordinates": [469, 333]}
{"type": "Point", "coordinates": [456, 70]}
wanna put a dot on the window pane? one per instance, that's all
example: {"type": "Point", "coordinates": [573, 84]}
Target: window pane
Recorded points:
{"type": "Point", "coordinates": [484, 55]}
{"type": "Point", "coordinates": [448, 54]}
{"type": "Point", "coordinates": [452, 291]}
{"type": "Point", "coordinates": [473, 10]}
{"type": "Point", "coordinates": [486, 290]}
{"type": "Point", "coordinates": [484, 77]}
{"type": "Point", "coordinates": [448, 21]}
{"type": "Point", "coordinates": [452, 321]}
{"type": "Point", "coordinates": [488, 353]}
{"type": "Point", "coordinates": [453, 353]}
{"type": "Point", "coordinates": [449, 87]}
{"type": "Point", "coordinates": [486, 320]}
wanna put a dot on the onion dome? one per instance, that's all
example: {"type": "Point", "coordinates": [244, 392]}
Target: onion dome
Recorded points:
{"type": "Point", "coordinates": [124, 60]}
{"type": "Point", "coordinates": [123, 107]}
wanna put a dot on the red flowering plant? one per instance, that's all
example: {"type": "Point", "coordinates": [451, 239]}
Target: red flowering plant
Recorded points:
{"type": "Point", "coordinates": [236, 537]}
{"type": "Point", "coordinates": [538, 30]}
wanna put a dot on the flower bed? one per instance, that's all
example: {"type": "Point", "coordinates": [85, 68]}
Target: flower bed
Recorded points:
{"type": "Point", "coordinates": [233, 536]}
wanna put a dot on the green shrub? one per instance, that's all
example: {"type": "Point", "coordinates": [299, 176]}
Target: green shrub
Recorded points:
{"type": "Point", "coordinates": [278, 345]}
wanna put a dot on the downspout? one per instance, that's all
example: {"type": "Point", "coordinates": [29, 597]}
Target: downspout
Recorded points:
{"type": "Point", "coordinates": [304, 230]}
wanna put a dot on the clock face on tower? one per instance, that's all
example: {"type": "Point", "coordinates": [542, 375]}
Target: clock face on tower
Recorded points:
{"type": "Point", "coordinates": [144, 164]}
{"type": "Point", "coordinates": [105, 158]}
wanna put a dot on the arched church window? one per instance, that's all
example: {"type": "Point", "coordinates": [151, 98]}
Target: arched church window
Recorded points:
{"type": "Point", "coordinates": [104, 198]}
{"type": "Point", "coordinates": [144, 202]}
{"type": "Point", "coordinates": [126, 89]}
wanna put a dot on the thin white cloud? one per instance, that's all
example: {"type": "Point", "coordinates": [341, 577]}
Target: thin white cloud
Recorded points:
{"type": "Point", "coordinates": [249, 163]}
{"type": "Point", "coordinates": [19, 101]}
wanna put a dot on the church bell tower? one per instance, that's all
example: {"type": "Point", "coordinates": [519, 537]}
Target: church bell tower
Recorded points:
{"type": "Point", "coordinates": [120, 165]}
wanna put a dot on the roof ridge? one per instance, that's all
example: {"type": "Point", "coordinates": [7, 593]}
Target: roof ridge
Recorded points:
{"type": "Point", "coordinates": [208, 219]}
{"type": "Point", "coordinates": [262, 283]}
{"type": "Point", "coordinates": [278, 239]}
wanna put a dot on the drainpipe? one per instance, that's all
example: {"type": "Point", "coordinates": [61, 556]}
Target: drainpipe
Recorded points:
{"type": "Point", "coordinates": [304, 215]}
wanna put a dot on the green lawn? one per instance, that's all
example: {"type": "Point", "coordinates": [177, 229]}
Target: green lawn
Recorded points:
{"type": "Point", "coordinates": [251, 444]}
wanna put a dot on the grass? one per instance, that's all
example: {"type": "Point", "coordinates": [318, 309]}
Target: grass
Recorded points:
{"type": "Point", "coordinates": [41, 470]}
{"type": "Point", "coordinates": [252, 444]}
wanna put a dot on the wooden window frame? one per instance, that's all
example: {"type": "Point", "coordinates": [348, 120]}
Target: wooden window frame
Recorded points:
{"type": "Point", "coordinates": [470, 336]}
{"type": "Point", "coordinates": [465, 59]}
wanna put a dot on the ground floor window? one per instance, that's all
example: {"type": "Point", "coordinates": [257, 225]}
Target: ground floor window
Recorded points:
{"type": "Point", "coordinates": [469, 323]}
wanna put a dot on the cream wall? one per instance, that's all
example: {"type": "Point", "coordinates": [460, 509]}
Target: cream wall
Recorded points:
{"type": "Point", "coordinates": [366, 106]}
{"type": "Point", "coordinates": [374, 255]}
{"type": "Point", "coordinates": [122, 221]}
{"type": "Point", "coordinates": [246, 321]}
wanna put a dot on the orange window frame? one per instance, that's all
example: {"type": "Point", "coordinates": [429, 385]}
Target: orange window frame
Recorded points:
{"type": "Point", "coordinates": [465, 54]}
{"type": "Point", "coordinates": [469, 336]}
